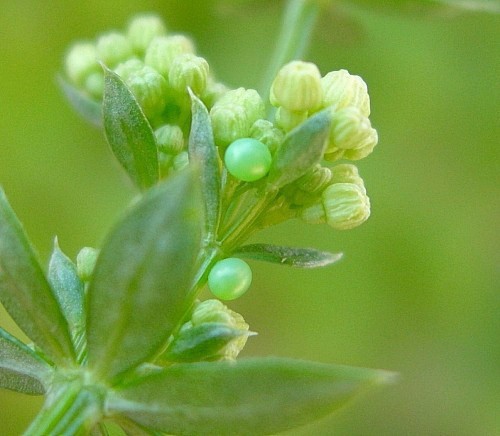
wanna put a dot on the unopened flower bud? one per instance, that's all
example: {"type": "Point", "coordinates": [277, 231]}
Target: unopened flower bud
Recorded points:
{"type": "Point", "coordinates": [351, 135]}
{"type": "Point", "coordinates": [265, 132]}
{"type": "Point", "coordinates": [343, 206]}
{"type": "Point", "coordinates": [346, 206]}
{"type": "Point", "coordinates": [228, 124]}
{"type": "Point", "coordinates": [188, 70]}
{"type": "Point", "coordinates": [315, 180]}
{"type": "Point", "coordinates": [142, 29]}
{"type": "Point", "coordinates": [162, 51]}
{"type": "Point", "coordinates": [297, 87]}
{"type": "Point", "coordinates": [113, 48]}
{"type": "Point", "coordinates": [180, 161]}
{"type": "Point", "coordinates": [127, 68]}
{"type": "Point", "coordinates": [94, 84]}
{"type": "Point", "coordinates": [214, 311]}
{"type": "Point", "coordinates": [150, 89]}
{"type": "Point", "coordinates": [288, 120]}
{"type": "Point", "coordinates": [347, 173]}
{"type": "Point", "coordinates": [170, 139]}
{"type": "Point", "coordinates": [85, 263]}
{"type": "Point", "coordinates": [249, 99]}
{"type": "Point", "coordinates": [341, 89]}
{"type": "Point", "coordinates": [214, 332]}
{"type": "Point", "coordinates": [306, 189]}
{"type": "Point", "coordinates": [80, 62]}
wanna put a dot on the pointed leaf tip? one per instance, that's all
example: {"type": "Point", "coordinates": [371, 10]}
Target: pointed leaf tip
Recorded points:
{"type": "Point", "coordinates": [249, 396]}
{"type": "Point", "coordinates": [291, 256]}
{"type": "Point", "coordinates": [301, 149]}
{"type": "Point", "coordinates": [25, 292]}
{"type": "Point", "coordinates": [128, 132]}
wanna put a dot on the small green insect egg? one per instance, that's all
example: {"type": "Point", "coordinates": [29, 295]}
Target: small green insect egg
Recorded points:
{"type": "Point", "coordinates": [229, 278]}
{"type": "Point", "coordinates": [248, 159]}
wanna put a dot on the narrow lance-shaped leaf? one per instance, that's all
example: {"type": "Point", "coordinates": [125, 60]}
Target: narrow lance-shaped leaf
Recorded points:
{"type": "Point", "coordinates": [88, 108]}
{"type": "Point", "coordinates": [302, 148]}
{"type": "Point", "coordinates": [25, 292]}
{"type": "Point", "coordinates": [68, 289]}
{"type": "Point", "coordinates": [128, 132]}
{"type": "Point", "coordinates": [292, 256]}
{"type": "Point", "coordinates": [203, 151]}
{"type": "Point", "coordinates": [138, 293]}
{"type": "Point", "coordinates": [251, 397]}
{"type": "Point", "coordinates": [21, 369]}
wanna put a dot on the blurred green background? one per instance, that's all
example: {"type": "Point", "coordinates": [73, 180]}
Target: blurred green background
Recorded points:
{"type": "Point", "coordinates": [418, 289]}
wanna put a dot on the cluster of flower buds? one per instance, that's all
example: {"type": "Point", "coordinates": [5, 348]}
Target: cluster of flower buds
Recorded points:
{"type": "Point", "coordinates": [298, 91]}
{"type": "Point", "coordinates": [158, 66]}
{"type": "Point", "coordinates": [214, 332]}
{"type": "Point", "coordinates": [255, 171]}
{"type": "Point", "coordinates": [162, 68]}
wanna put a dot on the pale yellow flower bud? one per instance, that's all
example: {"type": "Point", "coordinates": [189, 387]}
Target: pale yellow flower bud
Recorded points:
{"type": "Point", "coordinates": [85, 262]}
{"type": "Point", "coordinates": [341, 89]}
{"type": "Point", "coordinates": [347, 173]}
{"type": "Point", "coordinates": [188, 70]}
{"type": "Point", "coordinates": [343, 206]}
{"type": "Point", "coordinates": [249, 99]}
{"type": "Point", "coordinates": [346, 206]}
{"type": "Point", "coordinates": [351, 135]}
{"type": "Point", "coordinates": [142, 29]}
{"type": "Point", "coordinates": [162, 51]}
{"type": "Point", "coordinates": [81, 61]}
{"type": "Point", "coordinates": [297, 87]}
{"type": "Point", "coordinates": [265, 132]}
{"type": "Point", "coordinates": [215, 312]}
{"type": "Point", "coordinates": [94, 84]}
{"type": "Point", "coordinates": [288, 120]}
{"type": "Point", "coordinates": [315, 180]}
{"type": "Point", "coordinates": [113, 48]}
{"type": "Point", "coordinates": [170, 139]}
{"type": "Point", "coordinates": [150, 89]}
{"type": "Point", "coordinates": [180, 161]}
{"type": "Point", "coordinates": [234, 113]}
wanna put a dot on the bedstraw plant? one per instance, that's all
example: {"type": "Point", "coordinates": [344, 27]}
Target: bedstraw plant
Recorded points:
{"type": "Point", "coordinates": [120, 337]}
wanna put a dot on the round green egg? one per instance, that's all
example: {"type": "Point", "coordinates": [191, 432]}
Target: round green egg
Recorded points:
{"type": "Point", "coordinates": [229, 278]}
{"type": "Point", "coordinates": [248, 159]}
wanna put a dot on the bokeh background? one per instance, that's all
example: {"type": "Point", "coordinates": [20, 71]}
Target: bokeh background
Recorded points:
{"type": "Point", "coordinates": [418, 289]}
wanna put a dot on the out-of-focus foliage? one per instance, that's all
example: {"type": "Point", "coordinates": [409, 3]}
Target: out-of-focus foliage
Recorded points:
{"type": "Point", "coordinates": [417, 289]}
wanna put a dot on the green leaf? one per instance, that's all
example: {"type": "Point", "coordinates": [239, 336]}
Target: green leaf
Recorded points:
{"type": "Point", "coordinates": [302, 148]}
{"type": "Point", "coordinates": [69, 292]}
{"type": "Point", "coordinates": [246, 397]}
{"type": "Point", "coordinates": [202, 342]}
{"type": "Point", "coordinates": [21, 369]}
{"type": "Point", "coordinates": [25, 292]}
{"type": "Point", "coordinates": [203, 152]}
{"type": "Point", "coordinates": [292, 256]}
{"type": "Point", "coordinates": [86, 107]}
{"type": "Point", "coordinates": [139, 290]}
{"type": "Point", "coordinates": [128, 132]}
{"type": "Point", "coordinates": [431, 7]}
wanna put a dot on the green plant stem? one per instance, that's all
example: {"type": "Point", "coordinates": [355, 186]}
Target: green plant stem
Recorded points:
{"type": "Point", "coordinates": [71, 409]}
{"type": "Point", "coordinates": [296, 30]}
{"type": "Point", "coordinates": [259, 201]}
